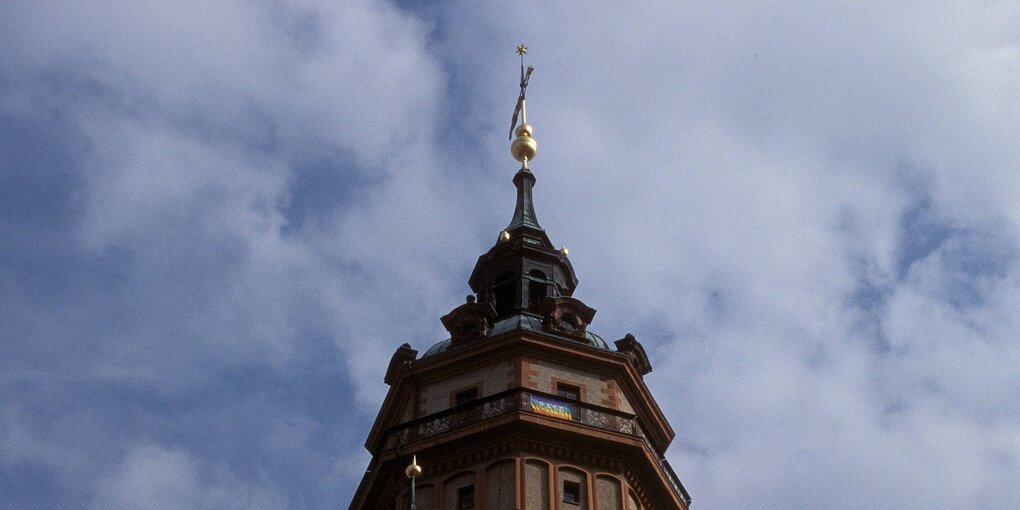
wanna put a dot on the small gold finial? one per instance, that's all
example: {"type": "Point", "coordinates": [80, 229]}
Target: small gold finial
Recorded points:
{"type": "Point", "coordinates": [414, 470]}
{"type": "Point", "coordinates": [522, 49]}
{"type": "Point", "coordinates": [564, 251]}
{"type": "Point", "coordinates": [504, 236]}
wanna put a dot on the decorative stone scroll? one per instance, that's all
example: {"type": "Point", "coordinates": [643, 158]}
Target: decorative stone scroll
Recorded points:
{"type": "Point", "coordinates": [470, 321]}
{"type": "Point", "coordinates": [566, 316]}
{"type": "Point", "coordinates": [633, 349]}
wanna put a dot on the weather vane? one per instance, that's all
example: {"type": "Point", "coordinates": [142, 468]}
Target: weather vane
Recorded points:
{"type": "Point", "coordinates": [525, 76]}
{"type": "Point", "coordinates": [524, 147]}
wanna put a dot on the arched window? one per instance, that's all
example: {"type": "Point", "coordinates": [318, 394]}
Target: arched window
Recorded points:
{"type": "Point", "coordinates": [569, 322]}
{"type": "Point", "coordinates": [468, 330]}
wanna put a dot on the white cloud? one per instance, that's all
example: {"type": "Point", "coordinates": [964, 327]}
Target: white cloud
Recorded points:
{"type": "Point", "coordinates": [151, 477]}
{"type": "Point", "coordinates": [728, 176]}
{"type": "Point", "coordinates": [747, 188]}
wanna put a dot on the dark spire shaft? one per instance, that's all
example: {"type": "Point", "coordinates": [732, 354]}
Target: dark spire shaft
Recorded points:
{"type": "Point", "coordinates": [524, 212]}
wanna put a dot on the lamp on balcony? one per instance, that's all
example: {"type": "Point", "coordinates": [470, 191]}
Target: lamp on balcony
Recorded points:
{"type": "Point", "coordinates": [413, 471]}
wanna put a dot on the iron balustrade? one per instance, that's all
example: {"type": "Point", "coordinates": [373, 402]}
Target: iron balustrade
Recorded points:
{"type": "Point", "coordinates": [534, 402]}
{"type": "Point", "coordinates": [674, 480]}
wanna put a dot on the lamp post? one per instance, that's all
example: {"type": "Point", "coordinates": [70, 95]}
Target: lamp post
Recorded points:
{"type": "Point", "coordinates": [413, 471]}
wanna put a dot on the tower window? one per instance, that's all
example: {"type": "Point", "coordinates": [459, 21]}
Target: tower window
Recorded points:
{"type": "Point", "coordinates": [463, 397]}
{"type": "Point", "coordinates": [568, 392]}
{"type": "Point", "coordinates": [466, 497]}
{"type": "Point", "coordinates": [572, 493]}
{"type": "Point", "coordinates": [505, 294]}
{"type": "Point", "coordinates": [536, 289]}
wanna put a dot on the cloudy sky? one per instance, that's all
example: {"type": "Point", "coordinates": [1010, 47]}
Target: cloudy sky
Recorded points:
{"type": "Point", "coordinates": [218, 219]}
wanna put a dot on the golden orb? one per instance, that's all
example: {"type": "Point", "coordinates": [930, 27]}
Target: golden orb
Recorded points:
{"type": "Point", "coordinates": [504, 236]}
{"type": "Point", "coordinates": [564, 251]}
{"type": "Point", "coordinates": [524, 147]}
{"type": "Point", "coordinates": [414, 470]}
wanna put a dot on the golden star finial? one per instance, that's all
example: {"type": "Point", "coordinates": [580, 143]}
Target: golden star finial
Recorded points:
{"type": "Point", "coordinates": [521, 49]}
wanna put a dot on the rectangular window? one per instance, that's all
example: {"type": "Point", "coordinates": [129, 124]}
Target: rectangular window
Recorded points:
{"type": "Point", "coordinates": [536, 291]}
{"type": "Point", "coordinates": [466, 497]}
{"type": "Point", "coordinates": [463, 397]}
{"type": "Point", "coordinates": [572, 493]}
{"type": "Point", "coordinates": [568, 392]}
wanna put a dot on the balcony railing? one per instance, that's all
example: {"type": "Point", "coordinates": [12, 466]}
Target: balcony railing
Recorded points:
{"type": "Point", "coordinates": [540, 403]}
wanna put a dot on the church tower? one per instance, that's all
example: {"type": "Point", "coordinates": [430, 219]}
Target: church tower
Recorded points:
{"type": "Point", "coordinates": [523, 407]}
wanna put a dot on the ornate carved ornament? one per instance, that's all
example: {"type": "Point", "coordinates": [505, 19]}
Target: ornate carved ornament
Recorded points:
{"type": "Point", "coordinates": [403, 355]}
{"type": "Point", "coordinates": [470, 321]}
{"type": "Point", "coordinates": [566, 316]}
{"type": "Point", "coordinates": [633, 349]}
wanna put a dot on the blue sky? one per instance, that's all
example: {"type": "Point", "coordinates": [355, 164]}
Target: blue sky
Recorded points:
{"type": "Point", "coordinates": [218, 219]}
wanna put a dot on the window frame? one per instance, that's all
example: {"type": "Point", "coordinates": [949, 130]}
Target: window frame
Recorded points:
{"type": "Point", "coordinates": [456, 395]}
{"type": "Point", "coordinates": [463, 492]}
{"type": "Point", "coordinates": [568, 392]}
{"type": "Point", "coordinates": [571, 488]}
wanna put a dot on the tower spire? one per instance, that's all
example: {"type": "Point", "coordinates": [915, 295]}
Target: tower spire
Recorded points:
{"type": "Point", "coordinates": [523, 149]}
